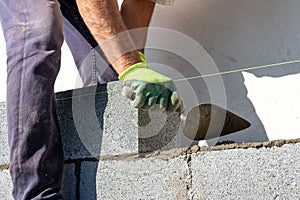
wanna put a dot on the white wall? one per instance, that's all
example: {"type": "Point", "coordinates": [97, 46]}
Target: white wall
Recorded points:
{"type": "Point", "coordinates": [236, 34]}
{"type": "Point", "coordinates": [240, 34]}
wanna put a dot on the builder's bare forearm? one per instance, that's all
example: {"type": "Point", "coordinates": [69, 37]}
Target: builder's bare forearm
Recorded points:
{"type": "Point", "coordinates": [137, 14]}
{"type": "Point", "coordinates": [105, 23]}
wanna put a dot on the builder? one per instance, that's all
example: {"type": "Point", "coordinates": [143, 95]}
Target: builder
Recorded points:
{"type": "Point", "coordinates": [33, 31]}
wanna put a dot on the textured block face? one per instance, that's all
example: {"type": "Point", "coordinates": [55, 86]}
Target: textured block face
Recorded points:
{"type": "Point", "coordinates": [247, 174]}
{"type": "Point", "coordinates": [97, 121]}
{"type": "Point", "coordinates": [158, 131]}
{"type": "Point", "coordinates": [137, 179]}
{"type": "Point", "coordinates": [4, 149]}
{"type": "Point", "coordinates": [120, 124]}
{"type": "Point", "coordinates": [6, 185]}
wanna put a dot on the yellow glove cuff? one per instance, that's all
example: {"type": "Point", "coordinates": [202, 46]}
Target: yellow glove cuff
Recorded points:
{"type": "Point", "coordinates": [132, 68]}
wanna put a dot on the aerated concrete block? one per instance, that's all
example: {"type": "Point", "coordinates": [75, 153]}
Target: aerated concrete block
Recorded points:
{"type": "Point", "coordinates": [6, 185]}
{"type": "Point", "coordinates": [149, 178]}
{"type": "Point", "coordinates": [272, 173]}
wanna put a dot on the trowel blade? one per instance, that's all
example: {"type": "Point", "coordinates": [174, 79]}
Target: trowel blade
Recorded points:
{"type": "Point", "coordinates": [207, 121]}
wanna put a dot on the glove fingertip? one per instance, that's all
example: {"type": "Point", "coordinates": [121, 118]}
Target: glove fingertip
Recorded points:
{"type": "Point", "coordinates": [138, 101]}
{"type": "Point", "coordinates": [174, 98]}
{"type": "Point", "coordinates": [128, 93]}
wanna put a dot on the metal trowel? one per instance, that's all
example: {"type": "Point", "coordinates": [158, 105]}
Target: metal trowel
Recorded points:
{"type": "Point", "coordinates": [207, 121]}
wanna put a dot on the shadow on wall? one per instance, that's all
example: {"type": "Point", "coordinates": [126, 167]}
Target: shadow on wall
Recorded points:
{"type": "Point", "coordinates": [236, 34]}
{"type": "Point", "coordinates": [81, 114]}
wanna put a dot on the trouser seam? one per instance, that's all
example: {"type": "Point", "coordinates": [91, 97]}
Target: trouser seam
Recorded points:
{"type": "Point", "coordinates": [88, 37]}
{"type": "Point", "coordinates": [20, 120]}
{"type": "Point", "coordinates": [94, 70]}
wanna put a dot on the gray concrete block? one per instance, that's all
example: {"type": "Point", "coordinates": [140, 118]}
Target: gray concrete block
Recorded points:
{"type": "Point", "coordinates": [120, 124]}
{"type": "Point", "coordinates": [4, 149]}
{"type": "Point", "coordinates": [69, 182]}
{"type": "Point", "coordinates": [135, 179]}
{"type": "Point", "coordinates": [100, 121]}
{"type": "Point", "coordinates": [272, 173]}
{"type": "Point", "coordinates": [6, 185]}
{"type": "Point", "coordinates": [94, 121]}
{"type": "Point", "coordinates": [158, 131]}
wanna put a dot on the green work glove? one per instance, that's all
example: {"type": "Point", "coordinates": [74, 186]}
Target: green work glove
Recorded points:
{"type": "Point", "coordinates": [148, 89]}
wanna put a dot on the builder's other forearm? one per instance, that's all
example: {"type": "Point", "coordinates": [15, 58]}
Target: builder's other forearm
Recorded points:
{"type": "Point", "coordinates": [137, 14]}
{"type": "Point", "coordinates": [106, 24]}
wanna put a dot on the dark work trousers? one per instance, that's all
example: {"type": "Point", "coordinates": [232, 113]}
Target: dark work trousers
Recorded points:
{"type": "Point", "coordinates": [34, 31]}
